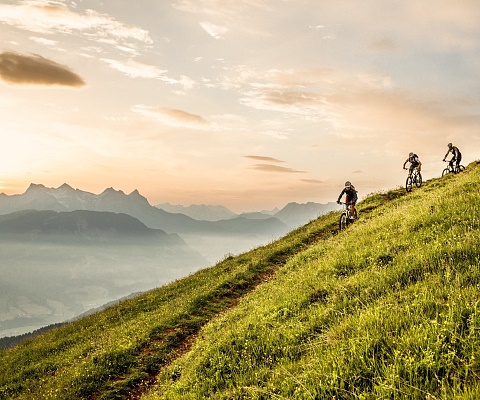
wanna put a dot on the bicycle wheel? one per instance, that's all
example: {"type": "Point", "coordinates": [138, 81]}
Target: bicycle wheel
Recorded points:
{"type": "Point", "coordinates": [342, 224]}
{"type": "Point", "coordinates": [445, 171]}
{"type": "Point", "coordinates": [418, 180]}
{"type": "Point", "coordinates": [408, 184]}
{"type": "Point", "coordinates": [460, 168]}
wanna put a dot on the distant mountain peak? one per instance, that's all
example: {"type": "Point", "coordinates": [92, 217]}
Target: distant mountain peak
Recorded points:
{"type": "Point", "coordinates": [111, 190]}
{"type": "Point", "coordinates": [35, 186]}
{"type": "Point", "coordinates": [66, 186]}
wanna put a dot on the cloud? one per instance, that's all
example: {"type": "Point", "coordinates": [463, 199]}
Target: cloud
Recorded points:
{"type": "Point", "coordinates": [263, 158]}
{"type": "Point", "coordinates": [224, 10]}
{"type": "Point", "coordinates": [172, 117]}
{"type": "Point", "coordinates": [135, 69]}
{"type": "Point", "coordinates": [276, 168]}
{"type": "Point", "coordinates": [55, 17]}
{"type": "Point", "coordinates": [44, 41]}
{"type": "Point", "coordinates": [354, 104]}
{"type": "Point", "coordinates": [312, 181]}
{"type": "Point", "coordinates": [213, 30]}
{"type": "Point", "coordinates": [36, 70]}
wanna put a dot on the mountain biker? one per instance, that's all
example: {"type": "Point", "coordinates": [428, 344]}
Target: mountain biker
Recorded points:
{"type": "Point", "coordinates": [414, 162]}
{"type": "Point", "coordinates": [457, 156]}
{"type": "Point", "coordinates": [350, 198]}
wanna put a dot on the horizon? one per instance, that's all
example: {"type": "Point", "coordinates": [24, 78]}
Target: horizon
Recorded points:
{"type": "Point", "coordinates": [33, 184]}
{"type": "Point", "coordinates": [247, 104]}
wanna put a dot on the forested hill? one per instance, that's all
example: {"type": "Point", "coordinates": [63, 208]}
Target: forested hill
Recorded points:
{"type": "Point", "coordinates": [388, 308]}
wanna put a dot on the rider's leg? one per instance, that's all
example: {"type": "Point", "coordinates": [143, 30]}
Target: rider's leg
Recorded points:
{"type": "Point", "coordinates": [348, 200]}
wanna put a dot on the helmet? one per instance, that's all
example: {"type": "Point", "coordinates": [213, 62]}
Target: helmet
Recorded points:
{"type": "Point", "coordinates": [348, 184]}
{"type": "Point", "coordinates": [449, 145]}
{"type": "Point", "coordinates": [411, 154]}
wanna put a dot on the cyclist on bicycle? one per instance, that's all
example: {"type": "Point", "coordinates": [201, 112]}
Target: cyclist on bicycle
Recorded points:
{"type": "Point", "coordinates": [350, 198]}
{"type": "Point", "coordinates": [414, 162]}
{"type": "Point", "coordinates": [457, 156]}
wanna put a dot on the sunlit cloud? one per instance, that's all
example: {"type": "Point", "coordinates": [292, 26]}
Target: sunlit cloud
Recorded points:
{"type": "Point", "coordinates": [36, 70]}
{"type": "Point", "coordinates": [135, 69]}
{"type": "Point", "coordinates": [172, 117]}
{"type": "Point", "coordinates": [276, 168]}
{"type": "Point", "coordinates": [263, 158]}
{"type": "Point", "coordinates": [354, 104]}
{"type": "Point", "coordinates": [55, 17]}
{"type": "Point", "coordinates": [44, 41]}
{"type": "Point", "coordinates": [220, 9]}
{"type": "Point", "coordinates": [213, 30]}
{"type": "Point", "coordinates": [129, 50]}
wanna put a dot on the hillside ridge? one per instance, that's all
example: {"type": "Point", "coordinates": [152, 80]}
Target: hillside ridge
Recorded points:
{"type": "Point", "coordinates": [159, 328]}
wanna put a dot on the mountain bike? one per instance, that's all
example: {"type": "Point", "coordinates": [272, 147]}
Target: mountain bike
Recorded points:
{"type": "Point", "coordinates": [414, 178]}
{"type": "Point", "coordinates": [452, 168]}
{"type": "Point", "coordinates": [345, 218]}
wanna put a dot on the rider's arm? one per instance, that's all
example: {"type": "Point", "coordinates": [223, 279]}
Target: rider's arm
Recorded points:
{"type": "Point", "coordinates": [405, 163]}
{"type": "Point", "coordinates": [341, 194]}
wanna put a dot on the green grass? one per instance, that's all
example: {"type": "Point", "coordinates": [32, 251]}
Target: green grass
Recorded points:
{"type": "Point", "coordinates": [387, 309]}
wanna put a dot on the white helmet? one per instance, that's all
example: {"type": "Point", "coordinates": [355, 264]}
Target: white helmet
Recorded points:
{"type": "Point", "coordinates": [348, 184]}
{"type": "Point", "coordinates": [411, 154]}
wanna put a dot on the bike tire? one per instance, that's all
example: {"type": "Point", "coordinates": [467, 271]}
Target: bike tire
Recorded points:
{"type": "Point", "coordinates": [460, 168]}
{"type": "Point", "coordinates": [418, 180]}
{"type": "Point", "coordinates": [343, 222]}
{"type": "Point", "coordinates": [408, 184]}
{"type": "Point", "coordinates": [445, 171]}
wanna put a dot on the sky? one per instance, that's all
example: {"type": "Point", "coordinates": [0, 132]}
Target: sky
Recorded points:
{"type": "Point", "coordinates": [250, 104]}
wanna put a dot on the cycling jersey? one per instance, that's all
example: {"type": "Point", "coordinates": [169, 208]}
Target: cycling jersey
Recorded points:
{"type": "Point", "coordinates": [456, 153]}
{"type": "Point", "coordinates": [350, 193]}
{"type": "Point", "coordinates": [414, 160]}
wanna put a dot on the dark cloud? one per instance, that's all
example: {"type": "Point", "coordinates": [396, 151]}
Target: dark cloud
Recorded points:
{"type": "Point", "coordinates": [275, 168]}
{"type": "Point", "coordinates": [263, 158]}
{"type": "Point", "coordinates": [182, 116]}
{"type": "Point", "coordinates": [36, 70]}
{"type": "Point", "coordinates": [313, 181]}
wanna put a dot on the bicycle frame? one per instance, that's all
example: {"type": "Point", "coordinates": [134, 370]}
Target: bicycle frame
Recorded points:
{"type": "Point", "coordinates": [414, 178]}
{"type": "Point", "coordinates": [345, 219]}
{"type": "Point", "coordinates": [451, 168]}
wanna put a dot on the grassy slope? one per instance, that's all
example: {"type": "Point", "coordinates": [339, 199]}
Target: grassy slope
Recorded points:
{"type": "Point", "coordinates": [386, 309]}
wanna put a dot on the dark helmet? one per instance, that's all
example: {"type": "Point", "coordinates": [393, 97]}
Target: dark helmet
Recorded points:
{"type": "Point", "coordinates": [411, 154]}
{"type": "Point", "coordinates": [449, 145]}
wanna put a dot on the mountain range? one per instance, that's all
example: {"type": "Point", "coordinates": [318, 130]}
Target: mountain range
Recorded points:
{"type": "Point", "coordinates": [293, 214]}
{"type": "Point", "coordinates": [65, 198]}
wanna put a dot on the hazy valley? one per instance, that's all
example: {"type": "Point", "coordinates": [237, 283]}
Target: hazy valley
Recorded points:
{"type": "Point", "coordinates": [66, 251]}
